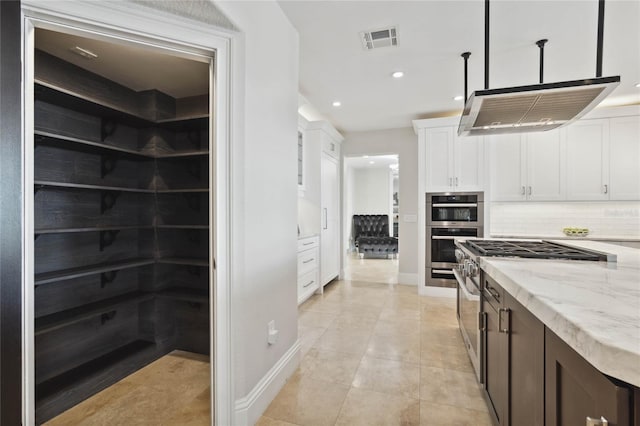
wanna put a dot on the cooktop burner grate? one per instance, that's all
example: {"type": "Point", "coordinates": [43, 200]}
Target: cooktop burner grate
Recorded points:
{"type": "Point", "coordinates": [532, 249]}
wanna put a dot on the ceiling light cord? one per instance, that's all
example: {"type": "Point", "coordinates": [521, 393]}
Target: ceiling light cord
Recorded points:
{"type": "Point", "coordinates": [600, 38]}
{"type": "Point", "coordinates": [540, 44]}
{"type": "Point", "coordinates": [486, 44]}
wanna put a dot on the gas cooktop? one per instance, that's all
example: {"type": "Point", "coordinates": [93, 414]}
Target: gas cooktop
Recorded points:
{"type": "Point", "coordinates": [532, 249]}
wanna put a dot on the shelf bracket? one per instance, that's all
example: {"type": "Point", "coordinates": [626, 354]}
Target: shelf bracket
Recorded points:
{"type": "Point", "coordinates": [107, 238]}
{"type": "Point", "coordinates": [108, 200]}
{"type": "Point", "coordinates": [107, 316]}
{"type": "Point", "coordinates": [107, 164]}
{"type": "Point", "coordinates": [107, 278]}
{"type": "Point", "coordinates": [193, 200]}
{"type": "Point", "coordinates": [108, 127]}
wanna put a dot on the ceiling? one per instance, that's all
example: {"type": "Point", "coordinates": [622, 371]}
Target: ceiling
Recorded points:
{"type": "Point", "coordinates": [431, 36]}
{"type": "Point", "coordinates": [132, 65]}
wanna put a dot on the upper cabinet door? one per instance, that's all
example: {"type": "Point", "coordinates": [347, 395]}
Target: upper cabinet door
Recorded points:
{"type": "Point", "coordinates": [469, 163]}
{"type": "Point", "coordinates": [624, 157]}
{"type": "Point", "coordinates": [587, 160]}
{"type": "Point", "coordinates": [439, 161]}
{"type": "Point", "coordinates": [545, 171]}
{"type": "Point", "coordinates": [508, 171]}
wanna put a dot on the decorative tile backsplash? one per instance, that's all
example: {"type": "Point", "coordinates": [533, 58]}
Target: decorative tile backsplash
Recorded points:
{"type": "Point", "coordinates": [605, 219]}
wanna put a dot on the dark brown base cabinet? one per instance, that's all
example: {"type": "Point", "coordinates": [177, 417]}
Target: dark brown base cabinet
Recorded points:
{"type": "Point", "coordinates": [575, 390]}
{"type": "Point", "coordinates": [121, 210]}
{"type": "Point", "coordinates": [533, 378]}
{"type": "Point", "coordinates": [514, 359]}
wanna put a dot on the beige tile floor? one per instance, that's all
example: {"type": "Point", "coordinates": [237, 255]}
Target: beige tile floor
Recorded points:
{"type": "Point", "coordinates": [173, 390]}
{"type": "Point", "coordinates": [376, 353]}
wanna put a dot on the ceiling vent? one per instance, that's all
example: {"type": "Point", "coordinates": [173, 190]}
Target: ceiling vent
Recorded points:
{"type": "Point", "coordinates": [384, 37]}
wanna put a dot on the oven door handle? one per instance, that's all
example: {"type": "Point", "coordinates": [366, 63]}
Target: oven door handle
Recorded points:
{"type": "Point", "coordinates": [463, 287]}
{"type": "Point", "coordinates": [455, 205]}
{"type": "Point", "coordinates": [444, 237]}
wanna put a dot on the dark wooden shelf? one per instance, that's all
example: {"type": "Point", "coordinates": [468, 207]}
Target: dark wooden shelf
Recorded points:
{"type": "Point", "coordinates": [52, 93]}
{"type": "Point", "coordinates": [90, 229]}
{"type": "Point", "coordinates": [52, 139]}
{"type": "Point", "coordinates": [201, 227]}
{"type": "Point", "coordinates": [68, 185]}
{"type": "Point", "coordinates": [185, 190]}
{"type": "Point", "coordinates": [67, 274]}
{"type": "Point", "coordinates": [69, 388]}
{"type": "Point", "coordinates": [181, 154]}
{"type": "Point", "coordinates": [58, 320]}
{"type": "Point", "coordinates": [70, 142]}
{"type": "Point", "coordinates": [183, 261]}
{"type": "Point", "coordinates": [53, 184]}
{"type": "Point", "coordinates": [185, 295]}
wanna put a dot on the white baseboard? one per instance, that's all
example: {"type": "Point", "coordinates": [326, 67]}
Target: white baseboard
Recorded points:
{"type": "Point", "coordinates": [409, 279]}
{"type": "Point", "coordinates": [437, 291]}
{"type": "Point", "coordinates": [250, 408]}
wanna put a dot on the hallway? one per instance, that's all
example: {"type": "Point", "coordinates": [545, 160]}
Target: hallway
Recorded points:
{"type": "Point", "coordinates": [378, 354]}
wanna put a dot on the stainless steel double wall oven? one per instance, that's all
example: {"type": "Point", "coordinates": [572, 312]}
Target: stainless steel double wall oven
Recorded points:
{"type": "Point", "coordinates": [450, 215]}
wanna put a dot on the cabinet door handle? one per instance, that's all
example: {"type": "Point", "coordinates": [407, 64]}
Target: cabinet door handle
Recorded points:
{"type": "Point", "coordinates": [307, 244]}
{"type": "Point", "coordinates": [522, 191]}
{"type": "Point", "coordinates": [450, 181]}
{"type": "Point", "coordinates": [482, 321]}
{"type": "Point", "coordinates": [529, 190]}
{"type": "Point", "coordinates": [506, 329]}
{"type": "Point", "coordinates": [597, 422]}
{"type": "Point", "coordinates": [326, 219]}
{"type": "Point", "coordinates": [308, 260]}
{"type": "Point", "coordinates": [308, 284]}
{"type": "Point", "coordinates": [606, 189]}
{"type": "Point", "coordinates": [456, 180]}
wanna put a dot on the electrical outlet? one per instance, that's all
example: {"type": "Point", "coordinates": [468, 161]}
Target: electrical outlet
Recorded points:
{"type": "Point", "coordinates": [272, 333]}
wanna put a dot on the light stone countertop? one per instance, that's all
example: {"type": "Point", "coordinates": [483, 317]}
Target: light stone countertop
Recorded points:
{"type": "Point", "coordinates": [593, 306]}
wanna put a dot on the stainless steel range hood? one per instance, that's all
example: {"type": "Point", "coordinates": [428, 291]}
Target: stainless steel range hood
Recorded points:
{"type": "Point", "coordinates": [532, 108]}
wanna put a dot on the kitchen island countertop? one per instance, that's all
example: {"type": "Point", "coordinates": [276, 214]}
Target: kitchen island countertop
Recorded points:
{"type": "Point", "coordinates": [593, 306]}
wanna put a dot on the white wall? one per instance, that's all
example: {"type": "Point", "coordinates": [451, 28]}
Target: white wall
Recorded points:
{"type": "Point", "coordinates": [264, 188]}
{"type": "Point", "coordinates": [403, 142]}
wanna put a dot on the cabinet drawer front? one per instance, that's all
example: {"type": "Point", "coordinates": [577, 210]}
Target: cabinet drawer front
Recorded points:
{"type": "Point", "coordinates": [307, 261]}
{"type": "Point", "coordinates": [308, 282]}
{"type": "Point", "coordinates": [307, 243]}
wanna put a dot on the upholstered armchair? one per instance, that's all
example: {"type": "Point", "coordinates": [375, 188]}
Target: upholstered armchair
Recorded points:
{"type": "Point", "coordinates": [371, 236]}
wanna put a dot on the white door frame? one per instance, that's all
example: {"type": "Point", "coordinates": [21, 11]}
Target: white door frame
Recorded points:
{"type": "Point", "coordinates": [130, 21]}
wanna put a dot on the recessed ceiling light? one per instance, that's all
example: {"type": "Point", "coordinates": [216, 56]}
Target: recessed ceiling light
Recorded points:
{"type": "Point", "coordinates": [372, 162]}
{"type": "Point", "coordinates": [365, 156]}
{"type": "Point", "coordinates": [458, 98]}
{"type": "Point", "coordinates": [83, 52]}
{"type": "Point", "coordinates": [336, 103]}
{"type": "Point", "coordinates": [397, 74]}
{"type": "Point", "coordinates": [638, 85]}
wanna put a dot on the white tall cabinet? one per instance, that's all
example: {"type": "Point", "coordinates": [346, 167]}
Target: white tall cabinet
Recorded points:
{"type": "Point", "coordinates": [321, 197]}
{"type": "Point", "coordinates": [330, 217]}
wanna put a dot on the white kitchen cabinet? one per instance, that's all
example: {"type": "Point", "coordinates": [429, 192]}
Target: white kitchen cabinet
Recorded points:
{"type": "Point", "coordinates": [322, 194]}
{"type": "Point", "coordinates": [453, 163]}
{"type": "Point", "coordinates": [527, 166]}
{"type": "Point", "coordinates": [308, 267]}
{"type": "Point", "coordinates": [508, 176]}
{"type": "Point", "coordinates": [624, 158]}
{"type": "Point", "coordinates": [545, 153]}
{"type": "Point", "coordinates": [587, 164]}
{"type": "Point", "coordinates": [330, 217]}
